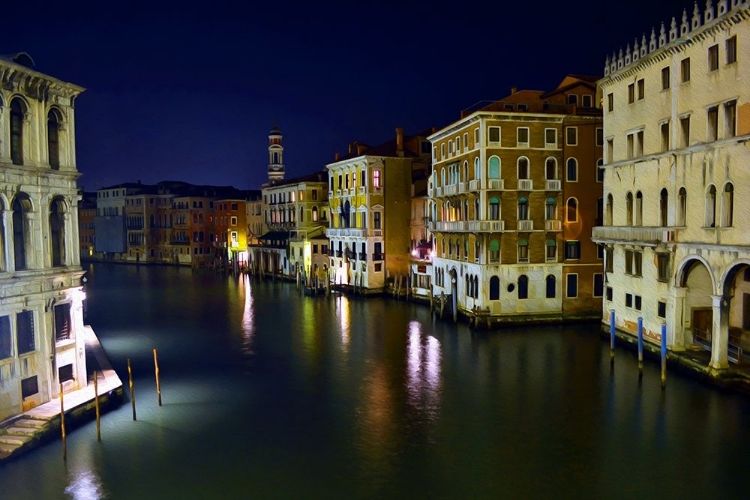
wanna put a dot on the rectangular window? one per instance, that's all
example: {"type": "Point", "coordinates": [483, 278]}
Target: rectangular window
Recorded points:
{"type": "Point", "coordinates": [638, 302]}
{"type": "Point", "coordinates": [573, 99]}
{"type": "Point", "coordinates": [586, 101]}
{"type": "Point", "coordinates": [661, 309]}
{"type": "Point", "coordinates": [234, 206]}
{"type": "Point", "coordinates": [631, 93]}
{"type": "Point", "coordinates": [610, 102]}
{"type": "Point", "coordinates": [442, 150]}
{"type": "Point", "coordinates": [65, 373]}
{"type": "Point", "coordinates": [315, 194]}
{"type": "Point", "coordinates": [458, 144]}
{"type": "Point", "coordinates": [434, 153]}
{"type": "Point", "coordinates": [609, 293]}
{"type": "Point", "coordinates": [731, 49]}
{"type": "Point", "coordinates": [62, 322]}
{"type": "Point", "coordinates": [550, 138]}
{"type": "Point", "coordinates": [29, 387]}
{"type": "Point", "coordinates": [639, 143]}
{"type": "Point", "coordinates": [598, 284]}
{"type": "Point", "coordinates": [5, 337]}
{"type": "Point", "coordinates": [637, 263]}
{"type": "Point", "coordinates": [641, 89]}
{"type": "Point", "coordinates": [476, 137]}
{"type": "Point", "coordinates": [662, 262]}
{"type": "Point", "coordinates": [378, 267]}
{"type": "Point", "coordinates": [628, 262]}
{"type": "Point", "coordinates": [610, 150]}
{"type": "Point", "coordinates": [376, 179]}
{"type": "Point", "coordinates": [571, 136]}
{"type": "Point", "coordinates": [466, 141]}
{"type": "Point", "coordinates": [664, 129]}
{"type": "Point", "coordinates": [572, 250]}
{"type": "Point", "coordinates": [685, 70]}
{"type": "Point", "coordinates": [25, 332]}
{"type": "Point", "coordinates": [628, 300]}
{"type": "Point", "coordinates": [665, 78]}
{"type": "Point", "coordinates": [523, 137]}
{"type": "Point", "coordinates": [599, 136]}
{"type": "Point", "coordinates": [233, 221]}
{"type": "Point", "coordinates": [551, 251]}
{"type": "Point", "coordinates": [631, 148]}
{"type": "Point", "coordinates": [713, 58]}
{"type": "Point", "coordinates": [685, 131]}
{"type": "Point", "coordinates": [376, 220]}
{"type": "Point", "coordinates": [713, 124]}
{"type": "Point", "coordinates": [494, 134]}
{"type": "Point", "coordinates": [730, 119]}
{"type": "Point", "coordinates": [572, 285]}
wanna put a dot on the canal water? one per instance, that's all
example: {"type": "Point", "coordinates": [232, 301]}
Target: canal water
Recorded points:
{"type": "Point", "coordinates": [269, 394]}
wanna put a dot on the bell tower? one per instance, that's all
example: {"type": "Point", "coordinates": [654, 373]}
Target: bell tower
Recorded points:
{"type": "Point", "coordinates": [275, 156]}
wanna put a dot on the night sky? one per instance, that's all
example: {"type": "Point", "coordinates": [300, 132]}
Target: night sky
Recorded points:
{"type": "Point", "coordinates": [190, 93]}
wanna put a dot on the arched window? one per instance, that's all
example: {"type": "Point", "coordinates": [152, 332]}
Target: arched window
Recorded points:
{"type": "Point", "coordinates": [572, 170]}
{"type": "Point", "coordinates": [550, 209]}
{"type": "Point", "coordinates": [523, 251]}
{"type": "Point", "coordinates": [494, 251]}
{"type": "Point", "coordinates": [494, 208]}
{"type": "Point", "coordinates": [494, 167]}
{"type": "Point", "coordinates": [523, 287]}
{"type": "Point", "coordinates": [638, 209]}
{"type": "Point", "coordinates": [727, 205]}
{"type": "Point", "coordinates": [600, 170]}
{"type": "Point", "coordinates": [572, 210]}
{"type": "Point", "coordinates": [663, 207]}
{"type": "Point", "coordinates": [442, 177]}
{"type": "Point", "coordinates": [494, 288]}
{"type": "Point", "coordinates": [523, 168]}
{"type": "Point", "coordinates": [711, 206]}
{"type": "Point", "coordinates": [315, 214]}
{"type": "Point", "coordinates": [682, 201]}
{"type": "Point", "coordinates": [610, 208]}
{"type": "Point", "coordinates": [201, 237]}
{"type": "Point", "coordinates": [476, 287]}
{"type": "Point", "coordinates": [476, 208]}
{"type": "Point", "coordinates": [550, 169]}
{"type": "Point", "coordinates": [302, 214]}
{"type": "Point", "coordinates": [21, 208]}
{"type": "Point", "coordinates": [57, 232]}
{"type": "Point", "coordinates": [53, 145]}
{"type": "Point", "coordinates": [551, 250]}
{"type": "Point", "coordinates": [477, 169]}
{"type": "Point", "coordinates": [523, 208]}
{"type": "Point", "coordinates": [195, 236]}
{"type": "Point", "coordinates": [3, 266]}
{"type": "Point", "coordinates": [629, 209]}
{"type": "Point", "coordinates": [551, 286]}
{"type": "Point", "coordinates": [465, 173]}
{"type": "Point", "coordinates": [17, 112]}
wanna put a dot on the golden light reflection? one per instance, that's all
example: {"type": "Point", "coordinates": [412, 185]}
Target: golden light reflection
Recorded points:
{"type": "Point", "coordinates": [248, 315]}
{"type": "Point", "coordinates": [343, 312]}
{"type": "Point", "coordinates": [423, 371]}
{"type": "Point", "coordinates": [84, 485]}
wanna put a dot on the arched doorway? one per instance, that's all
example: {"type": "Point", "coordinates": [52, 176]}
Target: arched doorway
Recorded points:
{"type": "Point", "coordinates": [698, 306]}
{"type": "Point", "coordinates": [454, 293]}
{"type": "Point", "coordinates": [736, 293]}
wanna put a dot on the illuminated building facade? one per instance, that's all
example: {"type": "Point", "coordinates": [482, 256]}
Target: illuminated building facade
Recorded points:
{"type": "Point", "coordinates": [41, 320]}
{"type": "Point", "coordinates": [676, 124]}
{"type": "Point", "coordinates": [370, 193]}
{"type": "Point", "coordinates": [515, 191]}
{"type": "Point", "coordinates": [110, 223]}
{"type": "Point", "coordinates": [230, 232]}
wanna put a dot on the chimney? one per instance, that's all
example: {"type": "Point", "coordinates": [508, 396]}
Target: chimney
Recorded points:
{"type": "Point", "coordinates": [513, 90]}
{"type": "Point", "coordinates": [399, 141]}
{"type": "Point", "coordinates": [337, 156]}
{"type": "Point", "coordinates": [351, 147]}
{"type": "Point", "coordinates": [361, 148]}
{"type": "Point", "coordinates": [434, 129]}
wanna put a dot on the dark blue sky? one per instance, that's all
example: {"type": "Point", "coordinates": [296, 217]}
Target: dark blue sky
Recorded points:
{"type": "Point", "coordinates": [189, 93]}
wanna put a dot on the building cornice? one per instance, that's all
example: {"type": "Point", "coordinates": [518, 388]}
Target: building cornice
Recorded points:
{"type": "Point", "coordinates": [17, 78]}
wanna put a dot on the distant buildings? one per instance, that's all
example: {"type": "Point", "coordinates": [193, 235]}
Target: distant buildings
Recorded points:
{"type": "Point", "coordinates": [41, 324]}
{"type": "Point", "coordinates": [676, 124]}
{"type": "Point", "coordinates": [514, 192]}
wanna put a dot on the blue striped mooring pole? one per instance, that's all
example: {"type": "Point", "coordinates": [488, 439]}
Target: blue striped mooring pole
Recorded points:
{"type": "Point", "coordinates": [663, 355]}
{"type": "Point", "coordinates": [612, 336]}
{"type": "Point", "coordinates": [640, 346]}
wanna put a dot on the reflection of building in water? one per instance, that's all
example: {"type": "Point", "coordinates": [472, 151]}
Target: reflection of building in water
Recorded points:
{"type": "Point", "coordinates": [248, 314]}
{"type": "Point", "coordinates": [423, 371]}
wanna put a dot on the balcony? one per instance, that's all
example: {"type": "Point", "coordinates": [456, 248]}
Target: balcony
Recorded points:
{"type": "Point", "coordinates": [378, 256]}
{"type": "Point", "coordinates": [495, 184]}
{"type": "Point", "coordinates": [525, 184]}
{"type": "Point", "coordinates": [439, 192]}
{"type": "Point", "coordinates": [553, 185]}
{"type": "Point", "coordinates": [461, 187]}
{"type": "Point", "coordinates": [362, 256]}
{"type": "Point", "coordinates": [628, 234]}
{"type": "Point", "coordinates": [361, 190]}
{"type": "Point", "coordinates": [450, 190]}
{"type": "Point", "coordinates": [553, 225]}
{"type": "Point", "coordinates": [525, 225]}
{"type": "Point", "coordinates": [475, 185]}
{"type": "Point", "coordinates": [339, 253]}
{"type": "Point", "coordinates": [486, 226]}
{"type": "Point", "coordinates": [451, 226]}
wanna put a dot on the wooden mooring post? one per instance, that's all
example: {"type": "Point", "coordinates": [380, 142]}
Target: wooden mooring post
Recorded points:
{"type": "Point", "coordinates": [62, 425]}
{"type": "Point", "coordinates": [612, 336]}
{"type": "Point", "coordinates": [663, 355]}
{"type": "Point", "coordinates": [156, 370]}
{"type": "Point", "coordinates": [640, 347]}
{"type": "Point", "coordinates": [132, 389]}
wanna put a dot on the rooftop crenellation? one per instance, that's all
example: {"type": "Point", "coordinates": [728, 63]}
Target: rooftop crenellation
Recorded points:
{"type": "Point", "coordinates": [640, 49]}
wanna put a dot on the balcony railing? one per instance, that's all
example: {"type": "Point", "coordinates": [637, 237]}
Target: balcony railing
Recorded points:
{"type": "Point", "coordinates": [487, 226]}
{"type": "Point", "coordinates": [450, 190]}
{"type": "Point", "coordinates": [361, 190]}
{"type": "Point", "coordinates": [553, 225]}
{"type": "Point", "coordinates": [525, 184]}
{"type": "Point", "coordinates": [439, 191]}
{"type": "Point", "coordinates": [457, 226]}
{"type": "Point", "coordinates": [553, 185]}
{"type": "Point", "coordinates": [378, 256]}
{"type": "Point", "coordinates": [362, 256]}
{"type": "Point", "coordinates": [339, 253]}
{"type": "Point", "coordinates": [495, 184]}
{"type": "Point", "coordinates": [639, 234]}
{"type": "Point", "coordinates": [461, 187]}
{"type": "Point", "coordinates": [475, 185]}
{"type": "Point", "coordinates": [525, 225]}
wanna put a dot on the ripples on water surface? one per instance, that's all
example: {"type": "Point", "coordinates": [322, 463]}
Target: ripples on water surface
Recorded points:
{"type": "Point", "coordinates": [268, 394]}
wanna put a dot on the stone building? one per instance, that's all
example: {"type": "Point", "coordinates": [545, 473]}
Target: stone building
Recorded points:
{"type": "Point", "coordinates": [515, 191]}
{"type": "Point", "coordinates": [87, 232]}
{"type": "Point", "coordinates": [676, 124]}
{"type": "Point", "coordinates": [41, 323]}
{"type": "Point", "coordinates": [370, 193]}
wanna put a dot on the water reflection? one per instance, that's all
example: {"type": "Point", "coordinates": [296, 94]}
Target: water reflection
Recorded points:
{"type": "Point", "coordinates": [423, 372]}
{"type": "Point", "coordinates": [85, 485]}
{"type": "Point", "coordinates": [248, 316]}
{"type": "Point", "coordinates": [344, 314]}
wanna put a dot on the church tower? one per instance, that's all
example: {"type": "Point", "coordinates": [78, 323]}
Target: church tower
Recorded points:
{"type": "Point", "coordinates": [275, 156]}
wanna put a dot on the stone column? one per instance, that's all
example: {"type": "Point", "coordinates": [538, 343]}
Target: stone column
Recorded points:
{"type": "Point", "coordinates": [719, 334]}
{"type": "Point", "coordinates": [10, 261]}
{"type": "Point", "coordinates": [676, 320]}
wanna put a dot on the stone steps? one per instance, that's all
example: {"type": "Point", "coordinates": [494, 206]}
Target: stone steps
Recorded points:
{"type": "Point", "coordinates": [31, 423]}
{"type": "Point", "coordinates": [14, 440]}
